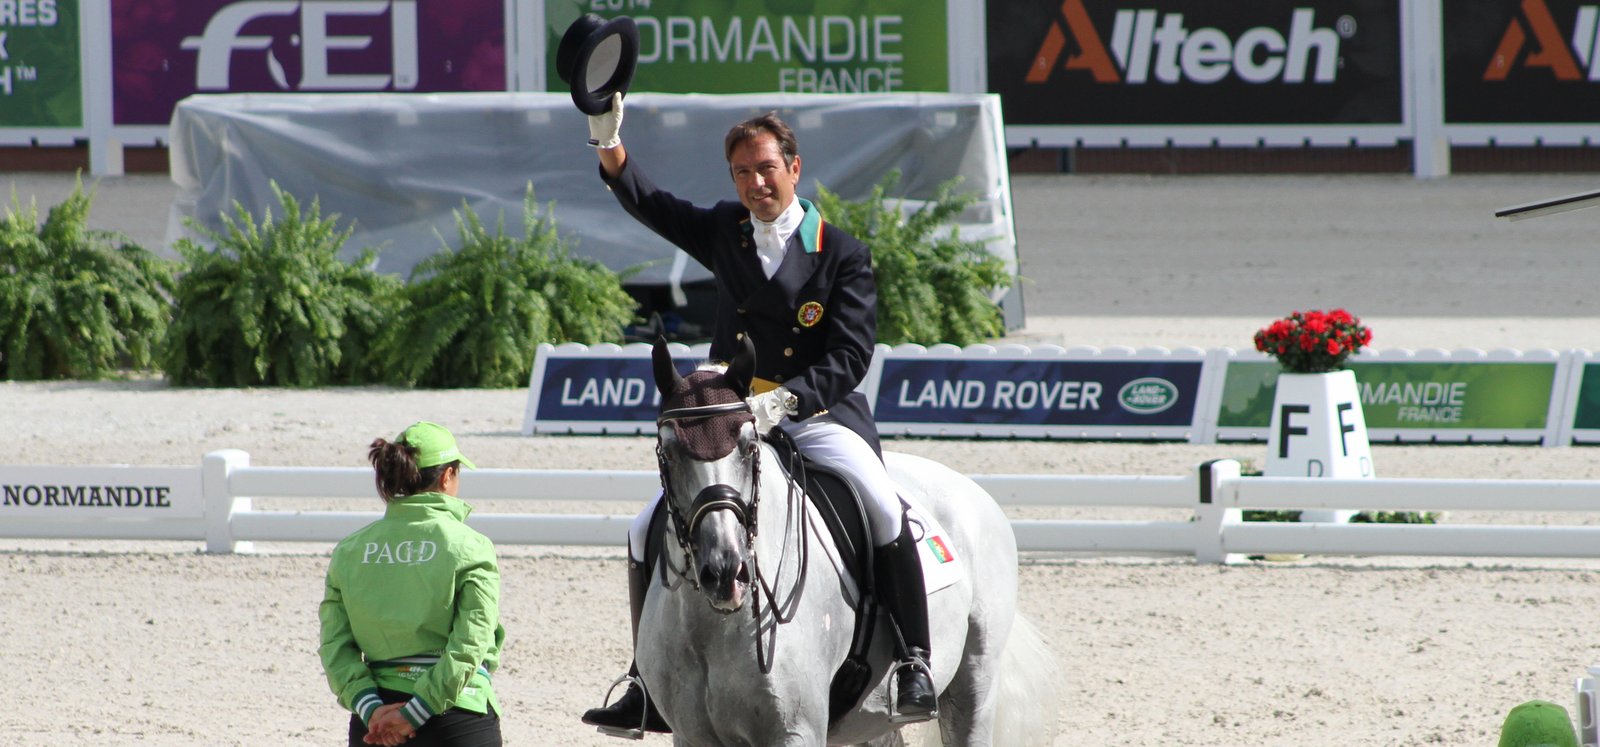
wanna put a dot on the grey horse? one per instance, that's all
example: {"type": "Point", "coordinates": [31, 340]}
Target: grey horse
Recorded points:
{"type": "Point", "coordinates": [747, 619]}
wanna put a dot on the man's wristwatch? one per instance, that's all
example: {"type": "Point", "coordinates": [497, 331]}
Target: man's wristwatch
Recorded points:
{"type": "Point", "coordinates": [791, 403]}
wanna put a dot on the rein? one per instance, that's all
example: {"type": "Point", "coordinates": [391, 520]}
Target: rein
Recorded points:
{"type": "Point", "coordinates": [723, 500]}
{"type": "Point", "coordinates": [796, 502]}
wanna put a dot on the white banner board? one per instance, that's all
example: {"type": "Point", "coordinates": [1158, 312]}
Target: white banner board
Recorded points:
{"type": "Point", "coordinates": [38, 492]}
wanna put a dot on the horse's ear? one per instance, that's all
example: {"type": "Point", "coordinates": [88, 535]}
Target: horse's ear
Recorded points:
{"type": "Point", "coordinates": [667, 376]}
{"type": "Point", "coordinates": [742, 368]}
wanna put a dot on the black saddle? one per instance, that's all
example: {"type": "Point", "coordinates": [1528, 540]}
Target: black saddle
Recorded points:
{"type": "Point", "coordinates": [838, 503]}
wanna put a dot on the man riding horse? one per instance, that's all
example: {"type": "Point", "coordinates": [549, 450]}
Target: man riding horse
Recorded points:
{"type": "Point", "coordinates": [802, 292]}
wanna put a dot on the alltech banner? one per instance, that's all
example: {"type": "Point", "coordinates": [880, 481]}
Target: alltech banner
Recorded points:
{"type": "Point", "coordinates": [1197, 62]}
{"type": "Point", "coordinates": [164, 50]}
{"type": "Point", "coordinates": [41, 84]}
{"type": "Point", "coordinates": [1414, 400]}
{"type": "Point", "coordinates": [1038, 397]}
{"type": "Point", "coordinates": [789, 46]}
{"type": "Point", "coordinates": [1522, 61]}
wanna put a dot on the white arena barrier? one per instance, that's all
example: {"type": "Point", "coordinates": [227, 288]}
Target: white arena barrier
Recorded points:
{"type": "Point", "coordinates": [213, 504]}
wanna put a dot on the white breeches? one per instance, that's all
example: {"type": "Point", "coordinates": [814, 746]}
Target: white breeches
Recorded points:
{"type": "Point", "coordinates": [825, 441]}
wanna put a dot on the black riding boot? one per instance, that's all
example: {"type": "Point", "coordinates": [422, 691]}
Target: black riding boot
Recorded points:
{"type": "Point", "coordinates": [625, 716]}
{"type": "Point", "coordinates": [900, 588]}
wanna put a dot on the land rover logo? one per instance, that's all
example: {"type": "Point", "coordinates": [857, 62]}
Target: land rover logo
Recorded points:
{"type": "Point", "coordinates": [1147, 396]}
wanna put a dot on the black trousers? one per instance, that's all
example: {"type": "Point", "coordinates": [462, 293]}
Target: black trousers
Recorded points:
{"type": "Point", "coordinates": [453, 728]}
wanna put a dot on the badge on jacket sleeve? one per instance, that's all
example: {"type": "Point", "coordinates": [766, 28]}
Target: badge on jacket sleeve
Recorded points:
{"type": "Point", "coordinates": [810, 314]}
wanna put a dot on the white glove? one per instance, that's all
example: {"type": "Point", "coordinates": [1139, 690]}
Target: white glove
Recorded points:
{"type": "Point", "coordinates": [771, 407]}
{"type": "Point", "coordinates": [605, 130]}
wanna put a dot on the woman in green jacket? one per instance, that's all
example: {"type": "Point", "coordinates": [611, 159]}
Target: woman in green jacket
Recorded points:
{"type": "Point", "coordinates": [411, 614]}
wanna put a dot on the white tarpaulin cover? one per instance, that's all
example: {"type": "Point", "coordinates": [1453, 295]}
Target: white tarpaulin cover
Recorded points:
{"type": "Point", "coordinates": [397, 166]}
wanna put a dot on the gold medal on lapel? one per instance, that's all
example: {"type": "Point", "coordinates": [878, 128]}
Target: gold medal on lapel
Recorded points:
{"type": "Point", "coordinates": [810, 314]}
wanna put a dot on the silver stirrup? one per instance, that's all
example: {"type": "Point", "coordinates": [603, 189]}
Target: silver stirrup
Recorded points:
{"type": "Point", "coordinates": [644, 713]}
{"type": "Point", "coordinates": [895, 716]}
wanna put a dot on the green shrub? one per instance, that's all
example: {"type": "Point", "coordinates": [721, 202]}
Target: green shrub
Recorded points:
{"type": "Point", "coordinates": [474, 316]}
{"type": "Point", "coordinates": [74, 302]}
{"type": "Point", "coordinates": [273, 305]}
{"type": "Point", "coordinates": [931, 288]}
{"type": "Point", "coordinates": [1250, 469]}
{"type": "Point", "coordinates": [1364, 517]}
{"type": "Point", "coordinates": [1395, 517]}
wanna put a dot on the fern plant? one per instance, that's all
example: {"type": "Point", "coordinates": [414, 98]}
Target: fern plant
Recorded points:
{"type": "Point", "coordinates": [933, 287]}
{"type": "Point", "coordinates": [75, 302]}
{"type": "Point", "coordinates": [474, 316]}
{"type": "Point", "coordinates": [273, 305]}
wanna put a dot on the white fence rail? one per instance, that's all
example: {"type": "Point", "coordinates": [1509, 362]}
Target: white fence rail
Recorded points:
{"type": "Point", "coordinates": [1216, 494]}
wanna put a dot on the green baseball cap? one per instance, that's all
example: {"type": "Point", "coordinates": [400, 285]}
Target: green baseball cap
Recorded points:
{"type": "Point", "coordinates": [1538, 723]}
{"type": "Point", "coordinates": [434, 445]}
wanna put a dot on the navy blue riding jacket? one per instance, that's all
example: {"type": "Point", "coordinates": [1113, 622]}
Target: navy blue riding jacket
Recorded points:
{"type": "Point", "coordinates": [813, 324]}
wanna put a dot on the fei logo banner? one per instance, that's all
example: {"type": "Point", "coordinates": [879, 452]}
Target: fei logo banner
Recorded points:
{"type": "Point", "coordinates": [163, 50]}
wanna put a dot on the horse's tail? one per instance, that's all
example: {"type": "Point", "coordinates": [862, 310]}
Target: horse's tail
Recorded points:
{"type": "Point", "coordinates": [1030, 688]}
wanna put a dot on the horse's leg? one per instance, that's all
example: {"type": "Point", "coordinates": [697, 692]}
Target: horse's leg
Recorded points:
{"type": "Point", "coordinates": [1012, 698]}
{"type": "Point", "coordinates": [892, 739]}
{"type": "Point", "coordinates": [967, 706]}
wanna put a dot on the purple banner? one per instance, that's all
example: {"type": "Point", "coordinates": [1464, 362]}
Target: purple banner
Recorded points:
{"type": "Point", "coordinates": [164, 50]}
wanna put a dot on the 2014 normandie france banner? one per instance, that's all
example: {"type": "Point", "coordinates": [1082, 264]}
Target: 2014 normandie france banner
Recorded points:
{"type": "Point", "coordinates": [822, 46]}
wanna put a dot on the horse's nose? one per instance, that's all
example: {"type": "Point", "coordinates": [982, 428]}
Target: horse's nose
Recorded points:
{"type": "Point", "coordinates": [722, 567]}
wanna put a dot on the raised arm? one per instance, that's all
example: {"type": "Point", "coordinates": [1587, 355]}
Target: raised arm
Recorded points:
{"type": "Point", "coordinates": [605, 136]}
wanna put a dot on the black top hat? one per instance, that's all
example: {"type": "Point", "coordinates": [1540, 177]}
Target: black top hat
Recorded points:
{"type": "Point", "coordinates": [596, 58]}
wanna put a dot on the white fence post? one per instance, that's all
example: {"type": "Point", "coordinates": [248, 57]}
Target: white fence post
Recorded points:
{"type": "Point", "coordinates": [219, 500]}
{"type": "Point", "coordinates": [94, 55]}
{"type": "Point", "coordinates": [1430, 141]}
{"type": "Point", "coordinates": [1212, 512]}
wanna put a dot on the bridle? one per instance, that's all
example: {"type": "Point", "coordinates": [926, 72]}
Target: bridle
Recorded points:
{"type": "Point", "coordinates": [711, 500]}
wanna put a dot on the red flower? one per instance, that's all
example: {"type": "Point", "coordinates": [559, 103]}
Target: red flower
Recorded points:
{"type": "Point", "coordinates": [1313, 341]}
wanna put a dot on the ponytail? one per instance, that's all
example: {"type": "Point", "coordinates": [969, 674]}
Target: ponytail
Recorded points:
{"type": "Point", "coordinates": [396, 471]}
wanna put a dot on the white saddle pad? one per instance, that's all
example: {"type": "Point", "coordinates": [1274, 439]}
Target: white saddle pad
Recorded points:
{"type": "Point", "coordinates": [941, 566]}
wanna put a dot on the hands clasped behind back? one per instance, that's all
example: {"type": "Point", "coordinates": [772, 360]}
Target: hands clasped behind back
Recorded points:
{"type": "Point", "coordinates": [388, 727]}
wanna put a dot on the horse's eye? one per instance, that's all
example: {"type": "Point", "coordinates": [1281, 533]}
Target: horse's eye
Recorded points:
{"type": "Point", "coordinates": [666, 444]}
